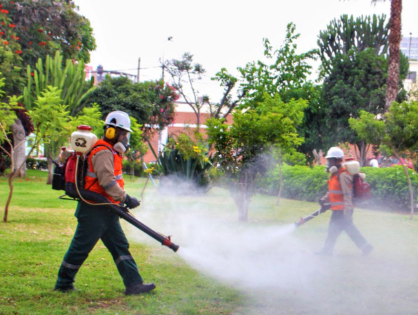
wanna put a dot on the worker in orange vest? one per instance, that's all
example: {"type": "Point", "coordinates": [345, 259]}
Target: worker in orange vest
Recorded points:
{"type": "Point", "coordinates": [104, 177]}
{"type": "Point", "coordinates": [340, 198]}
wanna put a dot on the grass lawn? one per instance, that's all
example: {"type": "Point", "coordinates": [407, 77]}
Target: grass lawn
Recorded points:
{"type": "Point", "coordinates": [223, 266]}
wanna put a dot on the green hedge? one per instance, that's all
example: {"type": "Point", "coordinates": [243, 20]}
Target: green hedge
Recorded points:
{"type": "Point", "coordinates": [36, 164]}
{"type": "Point", "coordinates": [389, 186]}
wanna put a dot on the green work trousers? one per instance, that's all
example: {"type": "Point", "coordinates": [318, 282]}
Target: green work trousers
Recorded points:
{"type": "Point", "coordinates": [339, 223]}
{"type": "Point", "coordinates": [94, 223]}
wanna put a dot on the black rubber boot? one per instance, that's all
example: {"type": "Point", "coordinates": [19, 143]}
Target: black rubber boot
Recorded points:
{"type": "Point", "coordinates": [367, 249]}
{"type": "Point", "coordinates": [139, 288]}
{"type": "Point", "coordinates": [65, 289]}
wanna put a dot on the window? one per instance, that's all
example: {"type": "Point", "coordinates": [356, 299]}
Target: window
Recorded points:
{"type": "Point", "coordinates": [412, 76]}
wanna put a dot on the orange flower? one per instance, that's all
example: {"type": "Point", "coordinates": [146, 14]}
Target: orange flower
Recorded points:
{"type": "Point", "coordinates": [4, 11]}
{"type": "Point", "coordinates": [1, 33]}
{"type": "Point", "coordinates": [18, 51]}
{"type": "Point", "coordinates": [32, 74]}
{"type": "Point", "coordinates": [6, 42]}
{"type": "Point", "coordinates": [12, 25]}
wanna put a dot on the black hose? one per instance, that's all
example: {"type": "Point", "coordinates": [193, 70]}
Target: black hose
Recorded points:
{"type": "Point", "coordinates": [70, 190]}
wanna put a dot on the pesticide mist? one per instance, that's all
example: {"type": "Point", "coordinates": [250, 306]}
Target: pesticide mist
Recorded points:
{"type": "Point", "coordinates": [270, 263]}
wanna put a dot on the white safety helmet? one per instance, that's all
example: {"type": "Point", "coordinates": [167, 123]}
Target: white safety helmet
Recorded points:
{"type": "Point", "coordinates": [119, 119]}
{"type": "Point", "coordinates": [335, 152]}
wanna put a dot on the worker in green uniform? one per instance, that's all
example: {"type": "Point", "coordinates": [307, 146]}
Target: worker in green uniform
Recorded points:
{"type": "Point", "coordinates": [104, 177]}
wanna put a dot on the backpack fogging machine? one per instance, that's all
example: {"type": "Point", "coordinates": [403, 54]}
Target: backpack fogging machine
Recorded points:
{"type": "Point", "coordinates": [324, 207]}
{"type": "Point", "coordinates": [69, 176]}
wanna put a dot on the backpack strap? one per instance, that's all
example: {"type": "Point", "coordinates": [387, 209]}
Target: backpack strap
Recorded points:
{"type": "Point", "coordinates": [87, 163]}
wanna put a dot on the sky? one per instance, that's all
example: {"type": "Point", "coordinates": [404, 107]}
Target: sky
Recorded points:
{"type": "Point", "coordinates": [219, 34]}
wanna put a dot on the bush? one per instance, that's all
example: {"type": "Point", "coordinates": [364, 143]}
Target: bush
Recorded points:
{"type": "Point", "coordinates": [389, 186]}
{"type": "Point", "coordinates": [299, 182]}
{"type": "Point", "coordinates": [33, 164]}
{"type": "Point", "coordinates": [127, 168]}
{"type": "Point", "coordinates": [4, 163]}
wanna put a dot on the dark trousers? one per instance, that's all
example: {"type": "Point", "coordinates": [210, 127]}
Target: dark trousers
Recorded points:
{"type": "Point", "coordinates": [339, 223]}
{"type": "Point", "coordinates": [94, 223]}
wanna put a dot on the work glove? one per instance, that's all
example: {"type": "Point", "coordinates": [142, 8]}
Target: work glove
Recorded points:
{"type": "Point", "coordinates": [131, 202]}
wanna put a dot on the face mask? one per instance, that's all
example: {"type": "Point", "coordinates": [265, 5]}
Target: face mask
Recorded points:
{"type": "Point", "coordinates": [122, 146]}
{"type": "Point", "coordinates": [331, 168]}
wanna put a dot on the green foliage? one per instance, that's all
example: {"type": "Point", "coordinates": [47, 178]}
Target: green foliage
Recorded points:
{"type": "Point", "coordinates": [90, 116]}
{"type": "Point", "coordinates": [150, 103]}
{"type": "Point", "coordinates": [356, 83]}
{"type": "Point", "coordinates": [299, 182]}
{"type": "Point", "coordinates": [185, 160]}
{"type": "Point", "coordinates": [51, 120]}
{"type": "Point", "coordinates": [289, 71]}
{"type": "Point", "coordinates": [398, 129]}
{"type": "Point", "coordinates": [70, 80]}
{"type": "Point", "coordinates": [10, 56]}
{"type": "Point", "coordinates": [243, 149]}
{"type": "Point", "coordinates": [255, 130]}
{"type": "Point", "coordinates": [36, 164]}
{"type": "Point", "coordinates": [347, 33]}
{"type": "Point", "coordinates": [388, 186]}
{"type": "Point", "coordinates": [129, 164]}
{"type": "Point", "coordinates": [135, 141]}
{"type": "Point", "coordinates": [7, 113]}
{"type": "Point", "coordinates": [45, 26]}
{"type": "Point", "coordinates": [287, 74]}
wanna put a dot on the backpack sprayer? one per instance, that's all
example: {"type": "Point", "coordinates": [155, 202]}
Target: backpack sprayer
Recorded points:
{"type": "Point", "coordinates": [66, 177]}
{"type": "Point", "coordinates": [361, 190]}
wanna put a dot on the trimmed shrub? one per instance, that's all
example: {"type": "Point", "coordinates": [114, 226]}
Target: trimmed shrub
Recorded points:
{"type": "Point", "coordinates": [33, 164]}
{"type": "Point", "coordinates": [389, 186]}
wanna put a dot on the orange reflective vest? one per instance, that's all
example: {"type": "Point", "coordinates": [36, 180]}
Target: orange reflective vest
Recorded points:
{"type": "Point", "coordinates": [91, 181]}
{"type": "Point", "coordinates": [336, 195]}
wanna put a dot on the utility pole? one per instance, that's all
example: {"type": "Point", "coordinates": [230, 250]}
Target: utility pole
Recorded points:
{"type": "Point", "coordinates": [163, 65]}
{"type": "Point", "coordinates": [139, 67]}
{"type": "Point", "coordinates": [409, 51]}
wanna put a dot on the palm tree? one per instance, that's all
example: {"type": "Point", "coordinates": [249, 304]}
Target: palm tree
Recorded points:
{"type": "Point", "coordinates": [392, 81]}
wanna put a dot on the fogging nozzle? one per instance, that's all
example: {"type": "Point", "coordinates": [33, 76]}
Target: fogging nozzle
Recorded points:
{"type": "Point", "coordinates": [167, 242]}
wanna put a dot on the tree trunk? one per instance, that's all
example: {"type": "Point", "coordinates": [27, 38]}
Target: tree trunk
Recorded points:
{"type": "Point", "coordinates": [10, 180]}
{"type": "Point", "coordinates": [318, 156]}
{"type": "Point", "coordinates": [280, 184]}
{"type": "Point", "coordinates": [50, 165]}
{"type": "Point", "coordinates": [242, 194]}
{"type": "Point", "coordinates": [392, 81]}
{"type": "Point", "coordinates": [411, 191]}
{"type": "Point", "coordinates": [19, 139]}
{"type": "Point", "coordinates": [361, 149]}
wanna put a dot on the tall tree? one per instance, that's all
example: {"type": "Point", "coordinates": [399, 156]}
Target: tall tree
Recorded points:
{"type": "Point", "coordinates": [242, 149]}
{"type": "Point", "coordinates": [184, 74]}
{"type": "Point", "coordinates": [356, 82]}
{"type": "Point", "coordinates": [392, 86]}
{"type": "Point", "coordinates": [286, 72]}
{"type": "Point", "coordinates": [67, 77]}
{"type": "Point", "coordinates": [45, 26]}
{"type": "Point", "coordinates": [349, 33]}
